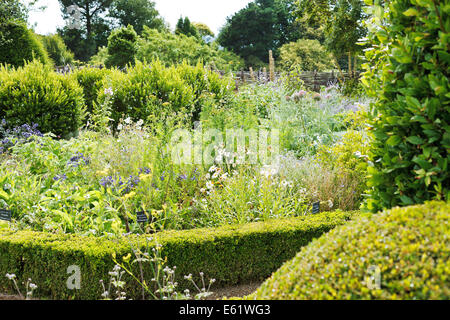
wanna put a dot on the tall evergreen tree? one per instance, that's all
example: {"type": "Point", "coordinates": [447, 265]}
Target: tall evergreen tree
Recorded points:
{"type": "Point", "coordinates": [261, 26]}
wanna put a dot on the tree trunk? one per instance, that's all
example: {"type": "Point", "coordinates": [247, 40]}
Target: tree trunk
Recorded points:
{"type": "Point", "coordinates": [349, 63]}
{"type": "Point", "coordinates": [88, 21]}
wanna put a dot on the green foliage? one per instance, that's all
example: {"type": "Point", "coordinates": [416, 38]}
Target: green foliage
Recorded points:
{"type": "Point", "coordinates": [407, 74]}
{"type": "Point", "coordinates": [202, 29]}
{"type": "Point", "coordinates": [307, 55]}
{"type": "Point", "coordinates": [15, 35]}
{"type": "Point", "coordinates": [261, 26]}
{"type": "Point", "coordinates": [342, 23]}
{"type": "Point", "coordinates": [174, 49]}
{"type": "Point", "coordinates": [94, 30]}
{"type": "Point", "coordinates": [13, 10]}
{"type": "Point", "coordinates": [185, 27]}
{"type": "Point", "coordinates": [57, 50]}
{"type": "Point", "coordinates": [91, 80]}
{"type": "Point", "coordinates": [148, 91]}
{"type": "Point", "coordinates": [137, 13]}
{"type": "Point", "coordinates": [231, 254]}
{"type": "Point", "coordinates": [36, 94]}
{"type": "Point", "coordinates": [407, 247]}
{"type": "Point", "coordinates": [121, 47]}
{"type": "Point", "coordinates": [82, 47]}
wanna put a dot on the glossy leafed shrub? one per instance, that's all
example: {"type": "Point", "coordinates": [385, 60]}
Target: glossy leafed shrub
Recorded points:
{"type": "Point", "coordinates": [148, 91]}
{"type": "Point", "coordinates": [407, 73]}
{"type": "Point", "coordinates": [398, 254]}
{"type": "Point", "coordinates": [18, 44]}
{"type": "Point", "coordinates": [91, 81]}
{"type": "Point", "coordinates": [36, 94]}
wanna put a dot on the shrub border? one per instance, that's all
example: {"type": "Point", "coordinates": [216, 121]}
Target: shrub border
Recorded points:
{"type": "Point", "coordinates": [230, 254]}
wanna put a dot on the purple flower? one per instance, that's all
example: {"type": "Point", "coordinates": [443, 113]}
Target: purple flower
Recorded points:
{"type": "Point", "coordinates": [77, 159]}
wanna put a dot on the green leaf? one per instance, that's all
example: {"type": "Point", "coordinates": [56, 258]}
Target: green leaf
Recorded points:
{"type": "Point", "coordinates": [415, 140]}
{"type": "Point", "coordinates": [411, 12]}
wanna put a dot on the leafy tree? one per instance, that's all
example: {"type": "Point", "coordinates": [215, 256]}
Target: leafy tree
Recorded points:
{"type": "Point", "coordinates": [342, 21]}
{"type": "Point", "coordinates": [57, 50]}
{"type": "Point", "coordinates": [121, 47]}
{"type": "Point", "coordinates": [184, 26]}
{"type": "Point", "coordinates": [95, 27]}
{"type": "Point", "coordinates": [171, 49]}
{"type": "Point", "coordinates": [203, 30]}
{"type": "Point", "coordinates": [13, 10]}
{"type": "Point", "coordinates": [138, 13]}
{"type": "Point", "coordinates": [261, 26]}
{"type": "Point", "coordinates": [308, 55]}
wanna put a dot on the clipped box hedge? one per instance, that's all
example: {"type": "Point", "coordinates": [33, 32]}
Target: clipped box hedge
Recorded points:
{"type": "Point", "coordinates": [231, 254]}
{"type": "Point", "coordinates": [409, 248]}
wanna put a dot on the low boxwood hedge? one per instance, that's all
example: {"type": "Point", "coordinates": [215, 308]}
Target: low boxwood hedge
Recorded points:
{"type": "Point", "coordinates": [407, 249]}
{"type": "Point", "coordinates": [231, 254]}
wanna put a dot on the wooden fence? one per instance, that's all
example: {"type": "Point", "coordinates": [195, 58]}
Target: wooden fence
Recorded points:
{"type": "Point", "coordinates": [312, 80]}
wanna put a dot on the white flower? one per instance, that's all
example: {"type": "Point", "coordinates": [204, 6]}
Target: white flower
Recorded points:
{"type": "Point", "coordinates": [209, 185]}
{"type": "Point", "coordinates": [127, 120]}
{"type": "Point", "coordinates": [140, 123]}
{"type": "Point", "coordinates": [330, 204]}
{"type": "Point", "coordinates": [215, 175]}
{"type": "Point", "coordinates": [212, 169]}
{"type": "Point", "coordinates": [109, 91]}
{"type": "Point", "coordinates": [11, 276]}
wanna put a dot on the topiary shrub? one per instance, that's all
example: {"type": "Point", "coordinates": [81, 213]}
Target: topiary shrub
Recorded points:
{"type": "Point", "coordinates": [36, 94]}
{"type": "Point", "coordinates": [408, 75]}
{"type": "Point", "coordinates": [231, 254]}
{"type": "Point", "coordinates": [405, 251]}
{"type": "Point", "coordinates": [152, 90]}
{"type": "Point", "coordinates": [57, 50]}
{"type": "Point", "coordinates": [91, 81]}
{"type": "Point", "coordinates": [19, 44]}
{"type": "Point", "coordinates": [146, 91]}
{"type": "Point", "coordinates": [122, 47]}
{"type": "Point", "coordinates": [205, 84]}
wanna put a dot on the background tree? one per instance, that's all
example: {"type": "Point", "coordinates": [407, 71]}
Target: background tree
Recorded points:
{"type": "Point", "coordinates": [203, 29]}
{"type": "Point", "coordinates": [184, 26]}
{"type": "Point", "coordinates": [305, 54]}
{"type": "Point", "coordinates": [95, 27]}
{"type": "Point", "coordinates": [261, 26]}
{"type": "Point", "coordinates": [121, 47]}
{"type": "Point", "coordinates": [13, 10]}
{"type": "Point", "coordinates": [138, 13]}
{"type": "Point", "coordinates": [342, 21]}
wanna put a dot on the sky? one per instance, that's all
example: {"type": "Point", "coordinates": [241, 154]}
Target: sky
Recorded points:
{"type": "Point", "coordinates": [211, 12]}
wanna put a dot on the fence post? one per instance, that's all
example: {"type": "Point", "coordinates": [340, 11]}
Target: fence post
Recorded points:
{"type": "Point", "coordinates": [271, 66]}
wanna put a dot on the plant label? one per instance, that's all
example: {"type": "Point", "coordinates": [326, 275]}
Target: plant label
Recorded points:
{"type": "Point", "coordinates": [316, 207]}
{"type": "Point", "coordinates": [5, 215]}
{"type": "Point", "coordinates": [141, 217]}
